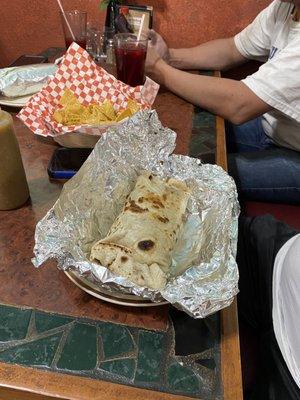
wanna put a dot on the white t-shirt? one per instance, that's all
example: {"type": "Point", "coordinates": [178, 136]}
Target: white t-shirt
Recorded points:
{"type": "Point", "coordinates": [274, 38]}
{"type": "Point", "coordinates": [286, 304]}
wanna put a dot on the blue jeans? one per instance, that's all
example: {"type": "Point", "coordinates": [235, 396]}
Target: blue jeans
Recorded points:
{"type": "Point", "coordinates": [262, 171]}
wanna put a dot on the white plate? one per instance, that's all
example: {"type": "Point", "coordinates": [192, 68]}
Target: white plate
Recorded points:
{"type": "Point", "coordinates": [36, 75]}
{"type": "Point", "coordinates": [14, 101]}
{"type": "Point", "coordinates": [110, 297]}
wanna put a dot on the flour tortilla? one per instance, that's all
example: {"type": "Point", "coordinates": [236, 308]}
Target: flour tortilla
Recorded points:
{"type": "Point", "coordinates": [141, 240]}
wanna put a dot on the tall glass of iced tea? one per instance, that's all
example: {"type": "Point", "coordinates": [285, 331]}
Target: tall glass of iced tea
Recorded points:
{"type": "Point", "coordinates": [130, 58]}
{"type": "Point", "coordinates": [77, 22]}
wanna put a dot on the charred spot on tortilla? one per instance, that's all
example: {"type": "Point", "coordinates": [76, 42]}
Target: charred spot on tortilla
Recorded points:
{"type": "Point", "coordinates": [150, 177]}
{"type": "Point", "coordinates": [118, 246]}
{"type": "Point", "coordinates": [155, 200]}
{"type": "Point", "coordinates": [124, 259]}
{"type": "Point", "coordinates": [146, 245]}
{"type": "Point", "coordinates": [163, 219]}
{"type": "Point", "coordinates": [132, 206]}
{"type": "Point", "coordinates": [140, 199]}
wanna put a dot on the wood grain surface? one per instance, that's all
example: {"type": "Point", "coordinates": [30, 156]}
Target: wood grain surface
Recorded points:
{"type": "Point", "coordinates": [16, 381]}
{"type": "Point", "coordinates": [230, 343]}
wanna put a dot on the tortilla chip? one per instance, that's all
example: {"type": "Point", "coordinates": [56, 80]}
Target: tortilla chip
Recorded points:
{"type": "Point", "coordinates": [123, 114]}
{"type": "Point", "coordinates": [75, 113]}
{"type": "Point", "coordinates": [68, 98]}
{"type": "Point", "coordinates": [107, 109]}
{"type": "Point", "coordinates": [133, 106]}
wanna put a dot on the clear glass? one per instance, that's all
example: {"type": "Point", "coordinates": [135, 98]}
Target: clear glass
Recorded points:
{"type": "Point", "coordinates": [130, 58]}
{"type": "Point", "coordinates": [89, 33]}
{"type": "Point", "coordinates": [110, 53]}
{"type": "Point", "coordinates": [96, 44]}
{"type": "Point", "coordinates": [77, 21]}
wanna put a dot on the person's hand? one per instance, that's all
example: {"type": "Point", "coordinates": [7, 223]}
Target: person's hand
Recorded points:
{"type": "Point", "coordinates": [160, 46]}
{"type": "Point", "coordinates": [151, 60]}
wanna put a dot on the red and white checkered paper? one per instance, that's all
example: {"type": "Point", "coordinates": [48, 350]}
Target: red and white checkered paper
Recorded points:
{"type": "Point", "coordinates": [90, 83]}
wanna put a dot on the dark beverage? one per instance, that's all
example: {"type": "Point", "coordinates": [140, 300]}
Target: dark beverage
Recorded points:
{"type": "Point", "coordinates": [130, 60]}
{"type": "Point", "coordinates": [80, 42]}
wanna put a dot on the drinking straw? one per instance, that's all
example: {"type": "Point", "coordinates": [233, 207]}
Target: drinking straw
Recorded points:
{"type": "Point", "coordinates": [141, 27]}
{"type": "Point", "coordinates": [66, 20]}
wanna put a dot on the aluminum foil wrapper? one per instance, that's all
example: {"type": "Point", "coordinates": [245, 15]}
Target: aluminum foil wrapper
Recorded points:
{"type": "Point", "coordinates": [24, 80]}
{"type": "Point", "coordinates": [203, 275]}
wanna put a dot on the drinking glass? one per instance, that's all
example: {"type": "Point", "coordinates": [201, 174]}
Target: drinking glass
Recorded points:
{"type": "Point", "coordinates": [130, 58]}
{"type": "Point", "coordinates": [89, 34]}
{"type": "Point", "coordinates": [96, 44]}
{"type": "Point", "coordinates": [77, 22]}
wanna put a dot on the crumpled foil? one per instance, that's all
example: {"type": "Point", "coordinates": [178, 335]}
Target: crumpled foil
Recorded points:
{"type": "Point", "coordinates": [25, 80]}
{"type": "Point", "coordinates": [203, 275]}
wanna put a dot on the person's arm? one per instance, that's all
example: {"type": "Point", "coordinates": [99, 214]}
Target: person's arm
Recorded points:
{"type": "Point", "coordinates": [253, 42]}
{"type": "Point", "coordinates": [230, 99]}
{"type": "Point", "coordinates": [217, 54]}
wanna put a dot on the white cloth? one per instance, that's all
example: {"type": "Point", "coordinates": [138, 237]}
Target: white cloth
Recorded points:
{"type": "Point", "coordinates": [274, 37]}
{"type": "Point", "coordinates": [286, 304]}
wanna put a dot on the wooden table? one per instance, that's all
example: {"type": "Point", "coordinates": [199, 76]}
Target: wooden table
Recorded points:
{"type": "Point", "coordinates": [49, 290]}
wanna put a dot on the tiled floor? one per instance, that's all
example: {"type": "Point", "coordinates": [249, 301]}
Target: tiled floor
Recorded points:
{"type": "Point", "coordinates": [118, 353]}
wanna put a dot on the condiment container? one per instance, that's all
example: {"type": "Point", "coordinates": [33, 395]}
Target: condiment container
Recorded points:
{"type": "Point", "coordinates": [13, 184]}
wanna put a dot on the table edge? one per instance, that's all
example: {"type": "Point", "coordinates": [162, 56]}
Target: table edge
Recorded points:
{"type": "Point", "coordinates": [54, 384]}
{"type": "Point", "coordinates": [230, 342]}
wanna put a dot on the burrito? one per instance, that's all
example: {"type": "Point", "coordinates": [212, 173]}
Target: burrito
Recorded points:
{"type": "Point", "coordinates": [25, 80]}
{"type": "Point", "coordinates": [140, 242]}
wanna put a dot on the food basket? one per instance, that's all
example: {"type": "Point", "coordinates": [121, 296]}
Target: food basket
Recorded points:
{"type": "Point", "coordinates": [90, 83]}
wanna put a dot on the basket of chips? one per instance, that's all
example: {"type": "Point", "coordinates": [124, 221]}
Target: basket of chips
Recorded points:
{"type": "Point", "coordinates": [82, 100]}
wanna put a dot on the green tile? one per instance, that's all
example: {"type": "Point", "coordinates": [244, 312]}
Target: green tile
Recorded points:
{"type": "Point", "coordinates": [80, 350]}
{"type": "Point", "coordinates": [13, 323]}
{"type": "Point", "coordinates": [150, 356]}
{"type": "Point", "coordinates": [203, 118]}
{"type": "Point", "coordinates": [208, 363]}
{"type": "Point", "coordinates": [44, 322]}
{"type": "Point", "coordinates": [124, 368]}
{"type": "Point", "coordinates": [116, 340]}
{"type": "Point", "coordinates": [182, 379]}
{"type": "Point", "coordinates": [35, 353]}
